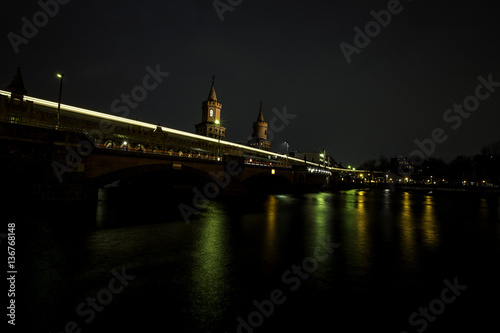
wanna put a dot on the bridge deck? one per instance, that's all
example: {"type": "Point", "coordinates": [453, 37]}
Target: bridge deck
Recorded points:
{"type": "Point", "coordinates": [111, 131]}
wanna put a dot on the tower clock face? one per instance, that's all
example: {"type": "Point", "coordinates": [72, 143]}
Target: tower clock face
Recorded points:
{"type": "Point", "coordinates": [211, 112]}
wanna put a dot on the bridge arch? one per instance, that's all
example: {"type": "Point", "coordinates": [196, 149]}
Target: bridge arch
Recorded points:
{"type": "Point", "coordinates": [161, 174]}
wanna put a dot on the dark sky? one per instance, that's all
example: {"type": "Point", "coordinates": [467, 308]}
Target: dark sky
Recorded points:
{"type": "Point", "coordinates": [285, 53]}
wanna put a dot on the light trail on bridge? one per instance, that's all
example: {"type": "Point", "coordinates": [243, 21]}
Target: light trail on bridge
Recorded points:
{"type": "Point", "coordinates": [124, 120]}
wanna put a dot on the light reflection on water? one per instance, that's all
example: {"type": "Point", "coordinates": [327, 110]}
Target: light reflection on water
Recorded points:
{"type": "Point", "coordinates": [235, 252]}
{"type": "Point", "coordinates": [357, 242]}
{"type": "Point", "coordinates": [210, 272]}
{"type": "Point", "coordinates": [317, 214]}
{"type": "Point", "coordinates": [429, 223]}
{"type": "Point", "coordinates": [271, 207]}
{"type": "Point", "coordinates": [407, 222]}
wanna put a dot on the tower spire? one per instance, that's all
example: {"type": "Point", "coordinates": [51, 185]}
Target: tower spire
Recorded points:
{"type": "Point", "coordinates": [211, 95]}
{"type": "Point", "coordinates": [16, 86]}
{"type": "Point", "coordinates": [260, 118]}
{"type": "Point", "coordinates": [259, 136]}
{"type": "Point", "coordinates": [210, 124]}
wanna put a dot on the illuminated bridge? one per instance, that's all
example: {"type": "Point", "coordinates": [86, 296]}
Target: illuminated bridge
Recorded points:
{"type": "Point", "coordinates": [54, 151]}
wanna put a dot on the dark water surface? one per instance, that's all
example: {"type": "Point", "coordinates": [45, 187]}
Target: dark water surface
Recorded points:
{"type": "Point", "coordinates": [222, 271]}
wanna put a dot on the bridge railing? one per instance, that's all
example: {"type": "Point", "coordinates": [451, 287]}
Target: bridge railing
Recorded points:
{"type": "Point", "coordinates": [267, 164]}
{"type": "Point", "coordinates": [170, 152]}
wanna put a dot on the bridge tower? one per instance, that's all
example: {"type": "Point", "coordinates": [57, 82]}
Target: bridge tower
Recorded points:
{"type": "Point", "coordinates": [259, 136]}
{"type": "Point", "coordinates": [16, 86]}
{"type": "Point", "coordinates": [211, 125]}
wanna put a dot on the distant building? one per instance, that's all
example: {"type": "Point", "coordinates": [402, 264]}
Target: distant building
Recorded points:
{"type": "Point", "coordinates": [402, 166]}
{"type": "Point", "coordinates": [211, 125]}
{"type": "Point", "coordinates": [259, 135]}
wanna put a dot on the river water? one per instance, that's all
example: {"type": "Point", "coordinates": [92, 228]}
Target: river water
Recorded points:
{"type": "Point", "coordinates": [348, 261]}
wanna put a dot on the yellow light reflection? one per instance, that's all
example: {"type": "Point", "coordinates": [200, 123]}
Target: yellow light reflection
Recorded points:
{"type": "Point", "coordinates": [429, 223]}
{"type": "Point", "coordinates": [362, 223]}
{"type": "Point", "coordinates": [408, 230]}
{"type": "Point", "coordinates": [270, 231]}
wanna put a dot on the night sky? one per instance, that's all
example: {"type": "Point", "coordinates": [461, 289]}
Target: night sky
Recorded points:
{"type": "Point", "coordinates": [395, 90]}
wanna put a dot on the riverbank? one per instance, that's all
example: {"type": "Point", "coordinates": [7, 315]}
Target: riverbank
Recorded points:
{"type": "Point", "coordinates": [440, 188]}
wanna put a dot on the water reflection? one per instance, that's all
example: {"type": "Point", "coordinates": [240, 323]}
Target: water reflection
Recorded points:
{"type": "Point", "coordinates": [271, 207]}
{"type": "Point", "coordinates": [429, 223]}
{"type": "Point", "coordinates": [484, 209]}
{"type": "Point", "coordinates": [200, 272]}
{"type": "Point", "coordinates": [387, 216]}
{"type": "Point", "coordinates": [322, 218]}
{"type": "Point", "coordinates": [356, 222]}
{"type": "Point", "coordinates": [318, 214]}
{"type": "Point", "coordinates": [408, 244]}
{"type": "Point", "coordinates": [362, 219]}
{"type": "Point", "coordinates": [211, 256]}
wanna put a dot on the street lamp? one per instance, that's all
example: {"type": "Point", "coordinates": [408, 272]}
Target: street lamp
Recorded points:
{"type": "Point", "coordinates": [287, 145]}
{"type": "Point", "coordinates": [217, 121]}
{"type": "Point", "coordinates": [61, 76]}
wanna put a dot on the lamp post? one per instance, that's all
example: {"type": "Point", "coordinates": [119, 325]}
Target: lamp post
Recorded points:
{"type": "Point", "coordinates": [323, 156]}
{"type": "Point", "coordinates": [61, 76]}
{"type": "Point", "coordinates": [287, 145]}
{"type": "Point", "coordinates": [217, 121]}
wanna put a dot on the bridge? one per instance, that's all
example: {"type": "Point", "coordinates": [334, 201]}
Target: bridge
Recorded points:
{"type": "Point", "coordinates": [53, 151]}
